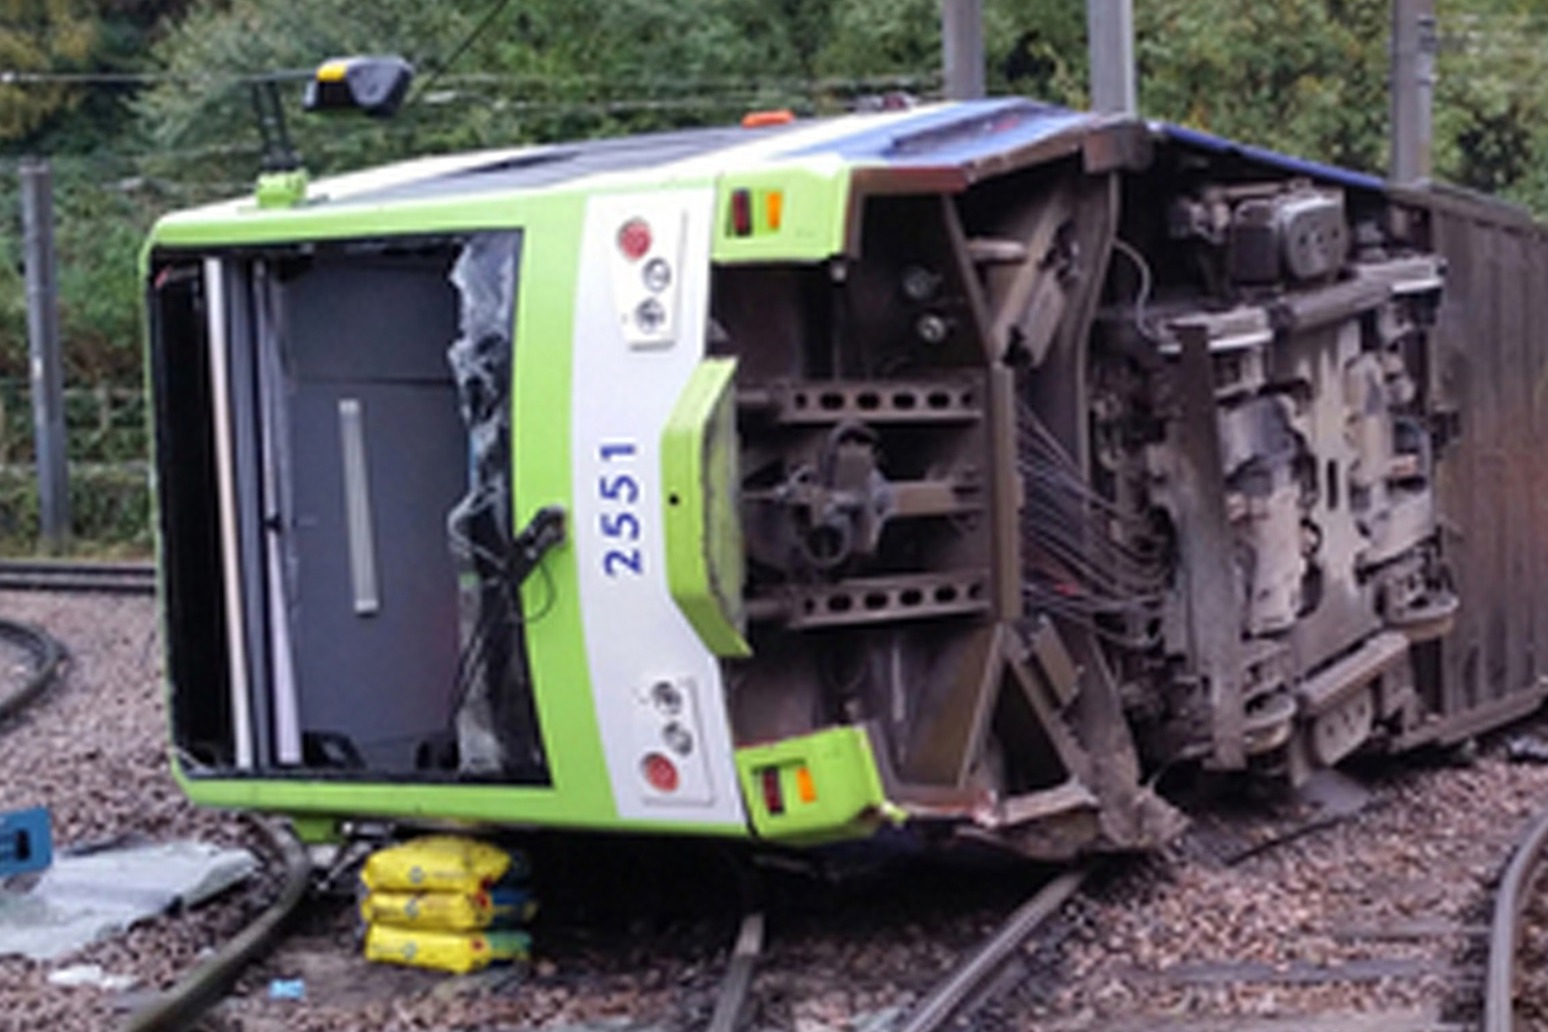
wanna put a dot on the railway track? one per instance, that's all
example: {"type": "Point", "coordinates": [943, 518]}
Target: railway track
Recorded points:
{"type": "Point", "coordinates": [69, 575]}
{"type": "Point", "coordinates": [1510, 908]}
{"type": "Point", "coordinates": [1395, 907]}
{"type": "Point", "coordinates": [47, 657]}
{"type": "Point", "coordinates": [995, 966]}
{"type": "Point", "coordinates": [990, 978]}
{"type": "Point", "coordinates": [990, 987]}
{"type": "Point", "coordinates": [206, 983]}
{"type": "Point", "coordinates": [1377, 921]}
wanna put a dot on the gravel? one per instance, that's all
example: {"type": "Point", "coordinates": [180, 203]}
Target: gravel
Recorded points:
{"type": "Point", "coordinates": [93, 750]}
{"type": "Point", "coordinates": [1386, 912]}
{"type": "Point", "coordinates": [1383, 913]}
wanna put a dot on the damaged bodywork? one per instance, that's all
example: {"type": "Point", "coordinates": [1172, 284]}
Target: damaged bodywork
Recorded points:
{"type": "Point", "coordinates": [957, 469]}
{"type": "Point", "coordinates": [1116, 453]}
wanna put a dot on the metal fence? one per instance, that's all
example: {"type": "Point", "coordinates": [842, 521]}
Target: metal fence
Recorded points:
{"type": "Point", "coordinates": [109, 451]}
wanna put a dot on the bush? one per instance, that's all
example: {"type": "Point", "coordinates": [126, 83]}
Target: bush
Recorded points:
{"type": "Point", "coordinates": [110, 509]}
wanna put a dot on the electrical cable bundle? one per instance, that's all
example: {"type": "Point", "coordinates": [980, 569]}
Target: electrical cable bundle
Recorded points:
{"type": "Point", "coordinates": [497, 608]}
{"type": "Point", "coordinates": [1083, 557]}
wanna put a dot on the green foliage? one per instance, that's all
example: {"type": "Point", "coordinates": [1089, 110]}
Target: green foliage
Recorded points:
{"type": "Point", "coordinates": [542, 70]}
{"type": "Point", "coordinates": [1491, 120]}
{"type": "Point", "coordinates": [881, 37]}
{"type": "Point", "coordinates": [1306, 77]}
{"type": "Point", "coordinates": [13, 306]}
{"type": "Point", "coordinates": [200, 122]}
{"type": "Point", "coordinates": [1302, 76]}
{"type": "Point", "coordinates": [105, 424]}
{"type": "Point", "coordinates": [581, 68]}
{"type": "Point", "coordinates": [1309, 77]}
{"type": "Point", "coordinates": [99, 231]}
{"type": "Point", "coordinates": [41, 36]}
{"type": "Point", "coordinates": [110, 510]}
{"type": "Point", "coordinates": [1037, 48]}
{"type": "Point", "coordinates": [99, 228]}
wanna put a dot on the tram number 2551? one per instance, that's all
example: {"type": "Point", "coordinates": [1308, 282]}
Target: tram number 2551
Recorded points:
{"type": "Point", "coordinates": [619, 492]}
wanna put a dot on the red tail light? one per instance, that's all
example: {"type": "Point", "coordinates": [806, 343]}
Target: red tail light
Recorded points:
{"type": "Point", "coordinates": [634, 239]}
{"type": "Point", "coordinates": [741, 213]}
{"type": "Point", "coordinates": [660, 772]}
{"type": "Point", "coordinates": [773, 794]}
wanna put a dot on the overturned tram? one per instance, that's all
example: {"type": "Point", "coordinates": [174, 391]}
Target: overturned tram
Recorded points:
{"type": "Point", "coordinates": [949, 470]}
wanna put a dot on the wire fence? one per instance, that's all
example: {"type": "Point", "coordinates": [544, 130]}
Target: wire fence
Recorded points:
{"type": "Point", "coordinates": [109, 461]}
{"type": "Point", "coordinates": [110, 510]}
{"type": "Point", "coordinates": [105, 424]}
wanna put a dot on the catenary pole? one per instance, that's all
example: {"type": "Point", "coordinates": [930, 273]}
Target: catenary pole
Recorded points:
{"type": "Point", "coordinates": [962, 48]}
{"type": "Point", "coordinates": [1110, 34]}
{"type": "Point", "coordinates": [47, 379]}
{"type": "Point", "coordinates": [1413, 88]}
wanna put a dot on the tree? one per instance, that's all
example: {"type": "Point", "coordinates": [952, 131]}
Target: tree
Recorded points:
{"type": "Point", "coordinates": [1492, 98]}
{"type": "Point", "coordinates": [1038, 48]}
{"type": "Point", "coordinates": [538, 70]}
{"type": "Point", "coordinates": [41, 36]}
{"type": "Point", "coordinates": [1303, 76]}
{"type": "Point", "coordinates": [199, 120]}
{"type": "Point", "coordinates": [877, 38]}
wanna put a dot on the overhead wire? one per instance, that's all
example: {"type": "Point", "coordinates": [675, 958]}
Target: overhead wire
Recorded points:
{"type": "Point", "coordinates": [13, 77]}
{"type": "Point", "coordinates": [461, 48]}
{"type": "Point", "coordinates": [685, 83]}
{"type": "Point", "coordinates": [342, 132]}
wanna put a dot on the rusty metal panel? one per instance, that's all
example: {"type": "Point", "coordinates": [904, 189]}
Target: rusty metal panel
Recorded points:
{"type": "Point", "coordinates": [1455, 332]}
{"type": "Point", "coordinates": [1492, 481]}
{"type": "Point", "coordinates": [1467, 206]}
{"type": "Point", "coordinates": [1535, 273]}
{"type": "Point", "coordinates": [1482, 444]}
{"type": "Point", "coordinates": [945, 745]}
{"type": "Point", "coordinates": [1493, 467]}
{"type": "Point", "coordinates": [1515, 544]}
{"type": "Point", "coordinates": [1480, 433]}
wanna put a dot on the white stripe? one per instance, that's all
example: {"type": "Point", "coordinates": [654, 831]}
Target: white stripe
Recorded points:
{"type": "Point", "coordinates": [653, 681]}
{"type": "Point", "coordinates": [236, 636]}
{"type": "Point", "coordinates": [759, 149]}
{"type": "Point", "coordinates": [763, 150]}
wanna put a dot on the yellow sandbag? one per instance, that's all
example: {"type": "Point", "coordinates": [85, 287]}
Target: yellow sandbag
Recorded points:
{"type": "Point", "coordinates": [440, 863]}
{"type": "Point", "coordinates": [457, 952]}
{"type": "Point", "coordinates": [449, 911]}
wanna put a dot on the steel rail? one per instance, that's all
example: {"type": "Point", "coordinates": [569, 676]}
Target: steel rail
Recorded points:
{"type": "Point", "coordinates": [963, 990]}
{"type": "Point", "coordinates": [1505, 933]}
{"type": "Point", "coordinates": [64, 575]}
{"type": "Point", "coordinates": [48, 657]}
{"type": "Point", "coordinates": [733, 989]}
{"type": "Point", "coordinates": [199, 990]}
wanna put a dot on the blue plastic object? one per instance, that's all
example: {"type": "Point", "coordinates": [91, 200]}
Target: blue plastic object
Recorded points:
{"type": "Point", "coordinates": [287, 989]}
{"type": "Point", "coordinates": [26, 841]}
